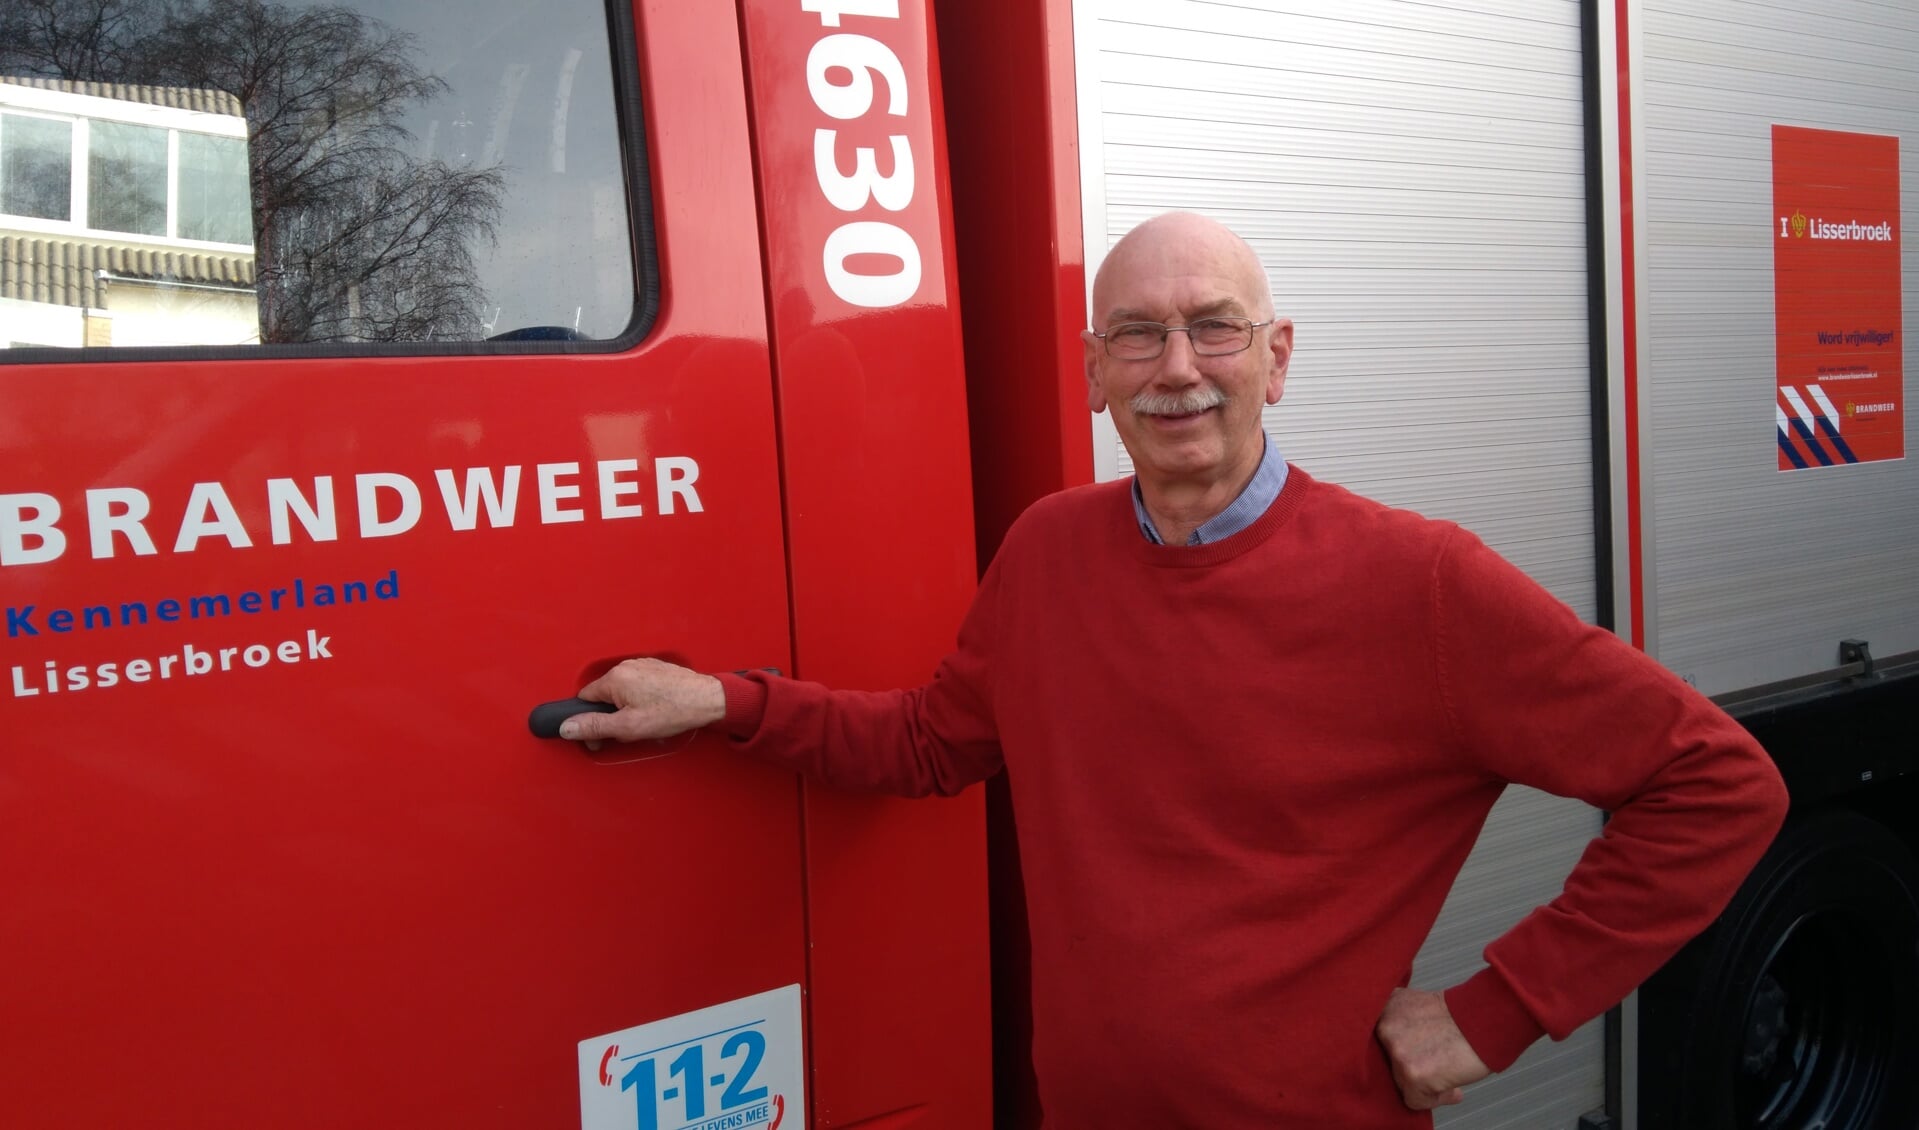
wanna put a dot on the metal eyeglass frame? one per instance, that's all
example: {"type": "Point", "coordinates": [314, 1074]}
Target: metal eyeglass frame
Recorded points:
{"type": "Point", "coordinates": [1165, 330]}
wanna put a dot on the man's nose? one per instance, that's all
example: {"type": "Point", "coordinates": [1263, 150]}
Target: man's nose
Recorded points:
{"type": "Point", "coordinates": [1178, 363]}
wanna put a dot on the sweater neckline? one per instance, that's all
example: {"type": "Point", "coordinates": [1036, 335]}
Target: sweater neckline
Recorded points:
{"type": "Point", "coordinates": [1214, 553]}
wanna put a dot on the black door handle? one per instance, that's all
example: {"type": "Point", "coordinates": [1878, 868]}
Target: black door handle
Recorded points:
{"type": "Point", "coordinates": [546, 717]}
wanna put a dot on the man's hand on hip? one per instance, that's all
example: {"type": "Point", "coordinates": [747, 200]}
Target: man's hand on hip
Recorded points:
{"type": "Point", "coordinates": [655, 699]}
{"type": "Point", "coordinates": [1430, 1057]}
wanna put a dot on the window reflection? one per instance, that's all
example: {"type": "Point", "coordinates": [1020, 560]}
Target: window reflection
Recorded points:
{"type": "Point", "coordinates": [126, 178]}
{"type": "Point", "coordinates": [36, 155]}
{"type": "Point", "coordinates": [228, 171]}
{"type": "Point", "coordinates": [214, 203]}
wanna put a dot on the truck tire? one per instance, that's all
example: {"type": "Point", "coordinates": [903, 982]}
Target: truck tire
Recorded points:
{"type": "Point", "coordinates": [1804, 1012]}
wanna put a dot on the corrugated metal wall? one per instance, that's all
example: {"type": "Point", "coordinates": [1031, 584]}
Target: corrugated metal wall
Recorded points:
{"type": "Point", "coordinates": [1413, 177]}
{"type": "Point", "coordinates": [1757, 573]}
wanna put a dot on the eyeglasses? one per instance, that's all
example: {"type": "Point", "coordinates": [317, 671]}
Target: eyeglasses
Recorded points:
{"type": "Point", "coordinates": [1211, 337]}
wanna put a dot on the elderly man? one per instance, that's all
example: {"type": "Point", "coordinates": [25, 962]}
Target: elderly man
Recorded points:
{"type": "Point", "coordinates": [1236, 833]}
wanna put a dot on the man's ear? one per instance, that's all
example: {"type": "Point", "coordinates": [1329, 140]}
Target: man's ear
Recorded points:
{"type": "Point", "coordinates": [1282, 351]}
{"type": "Point", "coordinates": [1095, 393]}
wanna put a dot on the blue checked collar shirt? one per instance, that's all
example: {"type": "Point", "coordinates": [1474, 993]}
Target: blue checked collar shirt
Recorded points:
{"type": "Point", "coordinates": [1260, 492]}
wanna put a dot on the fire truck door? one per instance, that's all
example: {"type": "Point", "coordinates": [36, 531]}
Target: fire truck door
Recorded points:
{"type": "Point", "coordinates": [385, 369]}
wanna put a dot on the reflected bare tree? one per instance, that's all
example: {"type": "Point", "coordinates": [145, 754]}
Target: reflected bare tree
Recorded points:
{"type": "Point", "coordinates": [355, 237]}
{"type": "Point", "coordinates": [93, 40]}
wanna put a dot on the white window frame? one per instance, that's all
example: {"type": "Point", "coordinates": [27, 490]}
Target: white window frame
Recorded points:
{"type": "Point", "coordinates": [82, 109]}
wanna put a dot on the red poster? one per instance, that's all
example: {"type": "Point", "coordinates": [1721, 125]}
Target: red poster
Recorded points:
{"type": "Point", "coordinates": [1835, 286]}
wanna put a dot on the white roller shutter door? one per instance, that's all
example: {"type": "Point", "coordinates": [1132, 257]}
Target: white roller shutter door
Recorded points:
{"type": "Point", "coordinates": [1757, 574]}
{"type": "Point", "coordinates": [1413, 177]}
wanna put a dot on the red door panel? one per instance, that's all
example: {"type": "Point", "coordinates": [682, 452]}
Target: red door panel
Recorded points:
{"type": "Point", "coordinates": [317, 873]}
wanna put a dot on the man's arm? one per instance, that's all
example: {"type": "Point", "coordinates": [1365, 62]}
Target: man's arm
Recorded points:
{"type": "Point", "coordinates": [1539, 698]}
{"type": "Point", "coordinates": [936, 738]}
{"type": "Point", "coordinates": [910, 743]}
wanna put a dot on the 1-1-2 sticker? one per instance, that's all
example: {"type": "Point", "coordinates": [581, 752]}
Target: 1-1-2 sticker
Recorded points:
{"type": "Point", "coordinates": [734, 1066]}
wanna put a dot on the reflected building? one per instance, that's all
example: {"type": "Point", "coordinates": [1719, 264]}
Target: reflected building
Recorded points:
{"type": "Point", "coordinates": [124, 216]}
{"type": "Point", "coordinates": [292, 173]}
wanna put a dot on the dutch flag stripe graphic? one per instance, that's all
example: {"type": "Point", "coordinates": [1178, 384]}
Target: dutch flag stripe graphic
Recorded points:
{"type": "Point", "coordinates": [1825, 406]}
{"type": "Point", "coordinates": [1799, 407]}
{"type": "Point", "coordinates": [1829, 423]}
{"type": "Point", "coordinates": [1802, 423]}
{"type": "Point", "coordinates": [1785, 440]}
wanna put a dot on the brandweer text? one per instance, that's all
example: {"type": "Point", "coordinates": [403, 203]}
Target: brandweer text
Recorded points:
{"type": "Point", "coordinates": [33, 529]}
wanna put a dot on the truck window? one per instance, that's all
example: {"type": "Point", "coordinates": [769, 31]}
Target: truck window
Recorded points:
{"type": "Point", "coordinates": [372, 176]}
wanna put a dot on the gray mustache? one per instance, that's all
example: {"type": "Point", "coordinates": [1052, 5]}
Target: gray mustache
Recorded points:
{"type": "Point", "coordinates": [1177, 403]}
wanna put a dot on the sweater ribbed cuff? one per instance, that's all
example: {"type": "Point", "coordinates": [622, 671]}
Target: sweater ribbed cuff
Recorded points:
{"type": "Point", "coordinates": [745, 705]}
{"type": "Point", "coordinates": [1491, 1018]}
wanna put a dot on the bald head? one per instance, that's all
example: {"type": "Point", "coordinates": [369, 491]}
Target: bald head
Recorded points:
{"type": "Point", "coordinates": [1180, 245]}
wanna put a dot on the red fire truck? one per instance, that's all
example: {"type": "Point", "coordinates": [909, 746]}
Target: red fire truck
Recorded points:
{"type": "Point", "coordinates": [380, 370]}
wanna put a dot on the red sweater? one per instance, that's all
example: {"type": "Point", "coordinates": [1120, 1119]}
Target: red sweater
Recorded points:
{"type": "Point", "coordinates": [1246, 773]}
